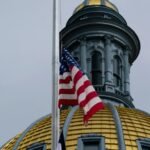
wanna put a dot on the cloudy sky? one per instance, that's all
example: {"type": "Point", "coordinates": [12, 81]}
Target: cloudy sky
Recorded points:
{"type": "Point", "coordinates": [25, 58]}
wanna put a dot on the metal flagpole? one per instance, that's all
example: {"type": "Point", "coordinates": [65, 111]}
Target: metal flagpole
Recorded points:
{"type": "Point", "coordinates": [55, 70]}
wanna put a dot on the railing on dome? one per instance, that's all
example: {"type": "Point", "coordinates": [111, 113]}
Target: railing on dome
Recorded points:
{"type": "Point", "coordinates": [125, 98]}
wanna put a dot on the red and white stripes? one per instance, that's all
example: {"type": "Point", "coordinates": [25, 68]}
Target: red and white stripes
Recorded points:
{"type": "Point", "coordinates": [75, 88]}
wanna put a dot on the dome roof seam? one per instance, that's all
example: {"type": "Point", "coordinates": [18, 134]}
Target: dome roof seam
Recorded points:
{"type": "Point", "coordinates": [119, 130]}
{"type": "Point", "coordinates": [68, 120]}
{"type": "Point", "coordinates": [26, 131]}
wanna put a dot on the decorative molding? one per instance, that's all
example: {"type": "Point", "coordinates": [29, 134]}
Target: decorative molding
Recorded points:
{"type": "Point", "coordinates": [95, 45]}
{"type": "Point", "coordinates": [108, 39]}
{"type": "Point", "coordinates": [82, 40]}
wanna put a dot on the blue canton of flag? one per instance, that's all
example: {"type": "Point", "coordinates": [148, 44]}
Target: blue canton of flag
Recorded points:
{"type": "Point", "coordinates": [66, 61]}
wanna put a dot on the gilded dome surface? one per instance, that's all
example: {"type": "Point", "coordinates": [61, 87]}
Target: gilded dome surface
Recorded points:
{"type": "Point", "coordinates": [98, 40]}
{"type": "Point", "coordinates": [135, 125]}
{"type": "Point", "coordinates": [106, 3]}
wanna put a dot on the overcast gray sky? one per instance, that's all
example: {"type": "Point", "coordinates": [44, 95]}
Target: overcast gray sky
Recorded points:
{"type": "Point", "coordinates": [25, 59]}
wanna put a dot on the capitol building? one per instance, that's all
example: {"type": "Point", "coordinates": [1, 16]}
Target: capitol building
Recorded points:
{"type": "Point", "coordinates": [106, 47]}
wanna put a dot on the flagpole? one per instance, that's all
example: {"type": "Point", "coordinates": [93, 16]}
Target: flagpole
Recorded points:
{"type": "Point", "coordinates": [55, 70]}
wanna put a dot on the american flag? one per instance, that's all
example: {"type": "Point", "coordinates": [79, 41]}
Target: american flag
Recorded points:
{"type": "Point", "coordinates": [76, 89]}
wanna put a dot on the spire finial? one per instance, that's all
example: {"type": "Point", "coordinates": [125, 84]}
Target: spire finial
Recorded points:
{"type": "Point", "coordinates": [106, 3]}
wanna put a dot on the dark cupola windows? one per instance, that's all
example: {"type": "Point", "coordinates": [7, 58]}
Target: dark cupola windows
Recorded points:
{"type": "Point", "coordinates": [96, 71]}
{"type": "Point", "coordinates": [117, 71]}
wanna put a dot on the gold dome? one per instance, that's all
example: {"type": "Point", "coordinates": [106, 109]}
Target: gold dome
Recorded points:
{"type": "Point", "coordinates": [106, 3]}
{"type": "Point", "coordinates": [135, 125]}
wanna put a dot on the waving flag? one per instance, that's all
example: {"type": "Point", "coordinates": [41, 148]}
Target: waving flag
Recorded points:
{"type": "Point", "coordinates": [76, 89]}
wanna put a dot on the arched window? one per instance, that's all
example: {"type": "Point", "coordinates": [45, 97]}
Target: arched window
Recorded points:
{"type": "Point", "coordinates": [96, 68]}
{"type": "Point", "coordinates": [117, 71]}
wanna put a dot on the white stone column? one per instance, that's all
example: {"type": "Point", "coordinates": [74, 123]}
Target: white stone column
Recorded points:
{"type": "Point", "coordinates": [103, 68]}
{"type": "Point", "coordinates": [109, 86]}
{"type": "Point", "coordinates": [126, 72]}
{"type": "Point", "coordinates": [122, 76]}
